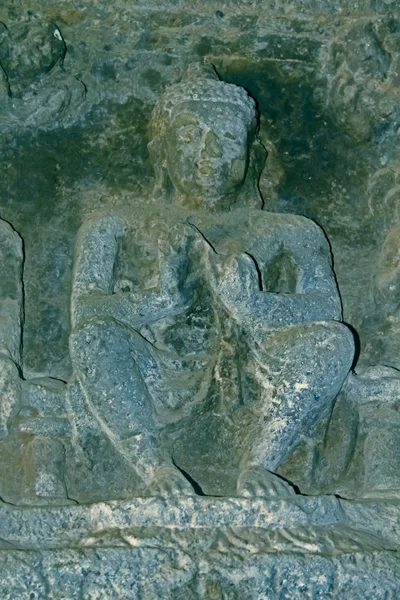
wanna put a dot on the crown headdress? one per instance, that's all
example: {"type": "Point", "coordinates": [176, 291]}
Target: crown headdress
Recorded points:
{"type": "Point", "coordinates": [200, 84]}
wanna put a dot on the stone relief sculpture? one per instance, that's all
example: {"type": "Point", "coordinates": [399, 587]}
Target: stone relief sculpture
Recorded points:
{"type": "Point", "coordinates": [34, 88]}
{"type": "Point", "coordinates": [31, 411]}
{"type": "Point", "coordinates": [209, 359]}
{"type": "Point", "coordinates": [11, 259]}
{"type": "Point", "coordinates": [207, 343]}
{"type": "Point", "coordinates": [206, 335]}
{"type": "Point", "coordinates": [363, 52]}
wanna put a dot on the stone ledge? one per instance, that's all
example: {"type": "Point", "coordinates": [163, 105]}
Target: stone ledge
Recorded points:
{"type": "Point", "coordinates": [311, 525]}
{"type": "Point", "coordinates": [225, 573]}
{"type": "Point", "coordinates": [204, 548]}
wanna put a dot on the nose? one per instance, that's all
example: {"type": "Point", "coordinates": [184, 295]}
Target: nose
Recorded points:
{"type": "Point", "coordinates": [212, 146]}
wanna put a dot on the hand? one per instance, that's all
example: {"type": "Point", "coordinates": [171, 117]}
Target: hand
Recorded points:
{"type": "Point", "coordinates": [235, 280]}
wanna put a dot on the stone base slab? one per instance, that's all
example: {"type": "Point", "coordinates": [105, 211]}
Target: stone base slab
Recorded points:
{"type": "Point", "coordinates": [200, 547]}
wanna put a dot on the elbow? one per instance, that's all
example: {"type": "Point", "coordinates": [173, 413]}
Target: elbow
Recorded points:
{"type": "Point", "coordinates": [332, 307]}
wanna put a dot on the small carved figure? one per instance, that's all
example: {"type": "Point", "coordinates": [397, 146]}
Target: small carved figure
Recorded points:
{"type": "Point", "coordinates": [35, 90]}
{"type": "Point", "coordinates": [206, 332]}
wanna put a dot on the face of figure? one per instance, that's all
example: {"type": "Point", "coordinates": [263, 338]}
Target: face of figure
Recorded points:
{"type": "Point", "coordinates": [207, 151]}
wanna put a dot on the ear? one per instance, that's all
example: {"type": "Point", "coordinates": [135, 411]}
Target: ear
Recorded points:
{"type": "Point", "coordinates": [162, 183]}
{"type": "Point", "coordinates": [250, 194]}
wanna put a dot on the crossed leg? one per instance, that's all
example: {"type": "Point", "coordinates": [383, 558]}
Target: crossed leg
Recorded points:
{"type": "Point", "coordinates": [307, 366]}
{"type": "Point", "coordinates": [105, 355]}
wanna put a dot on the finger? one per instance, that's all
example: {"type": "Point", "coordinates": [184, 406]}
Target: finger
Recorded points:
{"type": "Point", "coordinates": [248, 270]}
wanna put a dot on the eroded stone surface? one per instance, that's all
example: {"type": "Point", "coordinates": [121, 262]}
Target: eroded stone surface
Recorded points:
{"type": "Point", "coordinates": [293, 58]}
{"type": "Point", "coordinates": [206, 350]}
{"type": "Point", "coordinates": [322, 525]}
{"type": "Point", "coordinates": [129, 574]}
{"type": "Point", "coordinates": [205, 333]}
{"type": "Point", "coordinates": [201, 548]}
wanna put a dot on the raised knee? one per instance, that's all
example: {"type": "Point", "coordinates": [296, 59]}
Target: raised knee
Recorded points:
{"type": "Point", "coordinates": [334, 349]}
{"type": "Point", "coordinates": [339, 338]}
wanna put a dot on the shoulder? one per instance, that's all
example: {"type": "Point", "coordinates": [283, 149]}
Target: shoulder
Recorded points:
{"type": "Point", "coordinates": [310, 231]}
{"type": "Point", "coordinates": [297, 229]}
{"type": "Point", "coordinates": [102, 222]}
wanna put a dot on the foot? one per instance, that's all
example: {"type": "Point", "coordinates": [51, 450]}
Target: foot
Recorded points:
{"type": "Point", "coordinates": [169, 481]}
{"type": "Point", "coordinates": [257, 482]}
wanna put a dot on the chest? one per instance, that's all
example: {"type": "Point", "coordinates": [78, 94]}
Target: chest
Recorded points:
{"type": "Point", "coordinates": [137, 265]}
{"type": "Point", "coordinates": [278, 269]}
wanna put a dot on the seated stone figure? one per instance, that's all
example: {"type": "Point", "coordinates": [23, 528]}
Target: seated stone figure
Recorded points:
{"type": "Point", "coordinates": [206, 333]}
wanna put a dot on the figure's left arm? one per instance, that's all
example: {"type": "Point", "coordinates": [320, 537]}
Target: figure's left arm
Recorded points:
{"type": "Point", "coordinates": [316, 297]}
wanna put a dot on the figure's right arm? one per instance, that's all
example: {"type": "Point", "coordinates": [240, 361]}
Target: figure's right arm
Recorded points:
{"type": "Point", "coordinates": [95, 257]}
{"type": "Point", "coordinates": [93, 280]}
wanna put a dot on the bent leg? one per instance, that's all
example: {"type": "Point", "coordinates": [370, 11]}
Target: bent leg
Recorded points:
{"type": "Point", "coordinates": [103, 355]}
{"type": "Point", "coordinates": [308, 365]}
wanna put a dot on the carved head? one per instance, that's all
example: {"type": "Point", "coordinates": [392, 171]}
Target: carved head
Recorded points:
{"type": "Point", "coordinates": [203, 130]}
{"type": "Point", "coordinates": [28, 52]}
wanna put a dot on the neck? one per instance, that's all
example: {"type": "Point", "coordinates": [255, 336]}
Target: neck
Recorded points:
{"type": "Point", "coordinates": [222, 203]}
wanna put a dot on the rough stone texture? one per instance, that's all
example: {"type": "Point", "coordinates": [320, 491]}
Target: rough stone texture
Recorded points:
{"type": "Point", "coordinates": [201, 548]}
{"type": "Point", "coordinates": [152, 574]}
{"type": "Point", "coordinates": [206, 338]}
{"type": "Point", "coordinates": [245, 296]}
{"type": "Point", "coordinates": [355, 452]}
{"type": "Point", "coordinates": [290, 56]}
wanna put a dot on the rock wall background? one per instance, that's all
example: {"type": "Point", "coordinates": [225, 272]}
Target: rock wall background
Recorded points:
{"type": "Point", "coordinates": [78, 85]}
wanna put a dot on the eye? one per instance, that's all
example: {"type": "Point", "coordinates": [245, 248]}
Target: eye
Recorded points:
{"type": "Point", "coordinates": [231, 136]}
{"type": "Point", "coordinates": [186, 135]}
{"type": "Point", "coordinates": [185, 119]}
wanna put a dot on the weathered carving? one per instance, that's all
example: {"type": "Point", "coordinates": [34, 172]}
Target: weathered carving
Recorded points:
{"type": "Point", "coordinates": [206, 332]}
{"type": "Point", "coordinates": [354, 452]}
{"type": "Point", "coordinates": [32, 413]}
{"type": "Point", "coordinates": [34, 88]}
{"type": "Point", "coordinates": [206, 339]}
{"type": "Point", "coordinates": [360, 61]}
{"type": "Point", "coordinates": [209, 358]}
{"type": "Point", "coordinates": [11, 258]}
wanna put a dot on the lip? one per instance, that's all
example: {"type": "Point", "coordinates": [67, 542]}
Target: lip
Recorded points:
{"type": "Point", "coordinates": [205, 168]}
